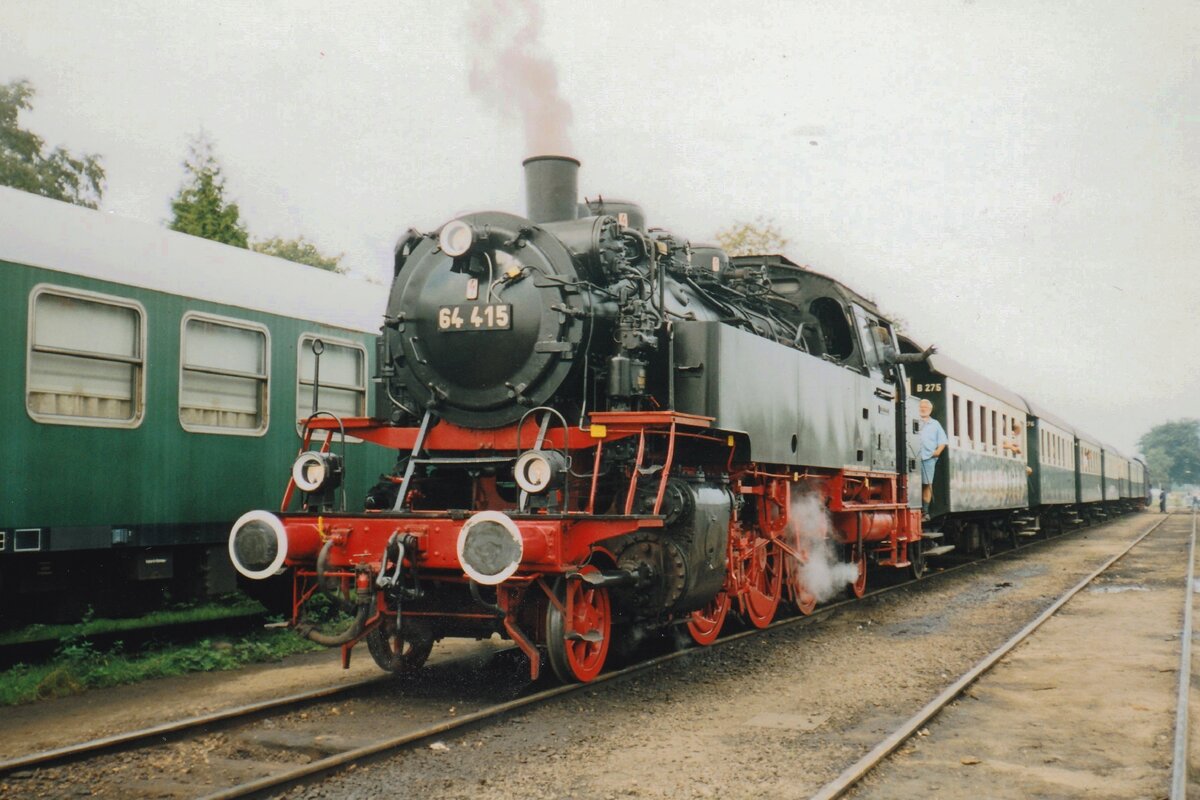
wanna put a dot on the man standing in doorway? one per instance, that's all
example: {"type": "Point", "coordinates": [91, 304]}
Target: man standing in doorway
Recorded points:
{"type": "Point", "coordinates": [933, 442]}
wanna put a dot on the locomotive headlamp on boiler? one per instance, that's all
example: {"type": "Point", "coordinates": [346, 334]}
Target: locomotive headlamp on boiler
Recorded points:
{"type": "Point", "coordinates": [456, 238]}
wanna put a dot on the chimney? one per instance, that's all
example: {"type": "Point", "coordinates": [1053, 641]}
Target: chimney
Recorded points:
{"type": "Point", "coordinates": [551, 188]}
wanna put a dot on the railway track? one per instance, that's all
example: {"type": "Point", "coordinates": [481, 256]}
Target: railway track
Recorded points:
{"type": "Point", "coordinates": [905, 732]}
{"type": "Point", "coordinates": [324, 750]}
{"type": "Point", "coordinates": [1179, 755]}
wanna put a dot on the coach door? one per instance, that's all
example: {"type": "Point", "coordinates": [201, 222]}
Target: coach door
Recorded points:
{"type": "Point", "coordinates": [879, 392]}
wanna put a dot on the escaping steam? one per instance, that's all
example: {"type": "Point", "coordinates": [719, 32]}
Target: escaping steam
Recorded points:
{"type": "Point", "coordinates": [510, 75]}
{"type": "Point", "coordinates": [810, 530]}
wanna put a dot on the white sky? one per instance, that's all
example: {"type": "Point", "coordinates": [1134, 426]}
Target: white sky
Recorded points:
{"type": "Point", "coordinates": [1017, 180]}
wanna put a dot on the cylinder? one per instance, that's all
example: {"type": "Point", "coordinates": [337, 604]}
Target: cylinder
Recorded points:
{"type": "Point", "coordinates": [551, 188]}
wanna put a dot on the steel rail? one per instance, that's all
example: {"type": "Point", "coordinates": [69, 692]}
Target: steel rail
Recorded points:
{"type": "Point", "coordinates": [92, 747]}
{"type": "Point", "coordinates": [292, 777]}
{"type": "Point", "coordinates": [859, 769]}
{"type": "Point", "coordinates": [131, 739]}
{"type": "Point", "coordinates": [1179, 765]}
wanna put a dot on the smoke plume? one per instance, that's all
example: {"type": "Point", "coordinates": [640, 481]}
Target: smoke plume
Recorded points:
{"type": "Point", "coordinates": [810, 531]}
{"type": "Point", "coordinates": [510, 75]}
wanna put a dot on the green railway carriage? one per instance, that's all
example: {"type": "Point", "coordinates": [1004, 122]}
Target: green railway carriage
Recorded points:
{"type": "Point", "coordinates": [1089, 479]}
{"type": "Point", "coordinates": [1115, 468]}
{"type": "Point", "coordinates": [1051, 446]}
{"type": "Point", "coordinates": [1137, 482]}
{"type": "Point", "coordinates": [152, 383]}
{"type": "Point", "coordinates": [980, 471]}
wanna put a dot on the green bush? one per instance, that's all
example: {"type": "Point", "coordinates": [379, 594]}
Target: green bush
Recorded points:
{"type": "Point", "coordinates": [78, 666]}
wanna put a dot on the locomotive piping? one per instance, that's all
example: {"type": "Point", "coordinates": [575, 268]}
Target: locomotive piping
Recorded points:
{"type": "Point", "coordinates": [478, 598]}
{"type": "Point", "coordinates": [352, 631]}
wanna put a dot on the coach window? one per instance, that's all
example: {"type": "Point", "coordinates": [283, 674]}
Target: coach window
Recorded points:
{"type": "Point", "coordinates": [343, 378]}
{"type": "Point", "coordinates": [983, 434]}
{"type": "Point", "coordinates": [86, 359]}
{"type": "Point", "coordinates": [223, 386]}
{"type": "Point", "coordinates": [956, 431]}
{"type": "Point", "coordinates": [971, 420]}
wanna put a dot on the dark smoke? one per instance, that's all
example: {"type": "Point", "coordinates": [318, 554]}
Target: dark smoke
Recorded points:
{"type": "Point", "coordinates": [511, 76]}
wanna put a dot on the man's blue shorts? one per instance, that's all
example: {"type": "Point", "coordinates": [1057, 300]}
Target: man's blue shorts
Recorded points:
{"type": "Point", "coordinates": [927, 467]}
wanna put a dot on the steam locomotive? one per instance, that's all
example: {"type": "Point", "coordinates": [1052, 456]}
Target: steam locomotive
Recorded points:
{"type": "Point", "coordinates": [604, 431]}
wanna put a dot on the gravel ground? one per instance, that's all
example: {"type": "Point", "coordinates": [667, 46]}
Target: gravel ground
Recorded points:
{"type": "Point", "coordinates": [775, 715]}
{"type": "Point", "coordinates": [772, 716]}
{"type": "Point", "coordinates": [1083, 708]}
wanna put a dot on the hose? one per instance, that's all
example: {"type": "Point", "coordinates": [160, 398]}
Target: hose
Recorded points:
{"type": "Point", "coordinates": [348, 634]}
{"type": "Point", "coordinates": [362, 607]}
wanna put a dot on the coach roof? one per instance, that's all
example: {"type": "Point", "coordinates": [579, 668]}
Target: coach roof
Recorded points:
{"type": "Point", "coordinates": [953, 369]}
{"type": "Point", "coordinates": [39, 232]}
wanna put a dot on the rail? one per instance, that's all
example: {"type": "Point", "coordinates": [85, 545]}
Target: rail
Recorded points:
{"type": "Point", "coordinates": [290, 777]}
{"type": "Point", "coordinates": [859, 769]}
{"type": "Point", "coordinates": [1179, 762]}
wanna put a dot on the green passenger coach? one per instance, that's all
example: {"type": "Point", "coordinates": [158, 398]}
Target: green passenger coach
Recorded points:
{"type": "Point", "coordinates": [152, 383]}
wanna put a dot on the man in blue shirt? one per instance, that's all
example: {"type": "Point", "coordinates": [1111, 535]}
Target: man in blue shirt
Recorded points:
{"type": "Point", "coordinates": [933, 442]}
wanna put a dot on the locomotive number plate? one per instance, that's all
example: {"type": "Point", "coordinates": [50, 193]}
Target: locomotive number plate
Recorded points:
{"type": "Point", "coordinates": [489, 317]}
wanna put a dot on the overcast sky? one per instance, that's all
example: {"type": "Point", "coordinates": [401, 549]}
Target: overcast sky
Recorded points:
{"type": "Point", "coordinates": [1016, 180]}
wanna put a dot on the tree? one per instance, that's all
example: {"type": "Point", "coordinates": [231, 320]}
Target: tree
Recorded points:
{"type": "Point", "coordinates": [300, 251]}
{"type": "Point", "coordinates": [751, 238]}
{"type": "Point", "coordinates": [1172, 451]}
{"type": "Point", "coordinates": [24, 165]}
{"type": "Point", "coordinates": [200, 208]}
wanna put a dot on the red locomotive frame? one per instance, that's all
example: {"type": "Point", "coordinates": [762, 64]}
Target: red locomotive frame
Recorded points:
{"type": "Point", "coordinates": [557, 597]}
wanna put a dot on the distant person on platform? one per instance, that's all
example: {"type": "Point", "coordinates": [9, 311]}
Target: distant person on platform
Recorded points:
{"type": "Point", "coordinates": [1162, 501]}
{"type": "Point", "coordinates": [933, 442]}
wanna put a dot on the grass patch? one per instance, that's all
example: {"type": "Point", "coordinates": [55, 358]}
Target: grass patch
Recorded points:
{"type": "Point", "coordinates": [79, 666]}
{"type": "Point", "coordinates": [233, 606]}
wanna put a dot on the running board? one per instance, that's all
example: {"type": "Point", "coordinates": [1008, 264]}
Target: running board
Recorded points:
{"type": "Point", "coordinates": [939, 551]}
{"type": "Point", "coordinates": [932, 535]}
{"type": "Point", "coordinates": [1029, 532]}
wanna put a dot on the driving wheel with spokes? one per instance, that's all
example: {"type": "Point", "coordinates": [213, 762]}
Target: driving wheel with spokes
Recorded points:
{"type": "Point", "coordinates": [763, 584]}
{"type": "Point", "coordinates": [859, 587]}
{"type": "Point", "coordinates": [578, 647]}
{"type": "Point", "coordinates": [803, 599]}
{"type": "Point", "coordinates": [704, 624]}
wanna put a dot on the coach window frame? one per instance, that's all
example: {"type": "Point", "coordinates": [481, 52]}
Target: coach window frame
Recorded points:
{"type": "Point", "coordinates": [303, 345]}
{"type": "Point", "coordinates": [263, 378]}
{"type": "Point", "coordinates": [138, 362]}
